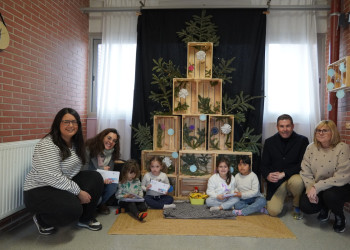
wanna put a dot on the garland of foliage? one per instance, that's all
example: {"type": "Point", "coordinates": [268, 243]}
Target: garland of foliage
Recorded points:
{"type": "Point", "coordinates": [192, 140]}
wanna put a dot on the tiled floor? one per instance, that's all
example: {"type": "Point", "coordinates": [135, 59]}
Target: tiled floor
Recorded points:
{"type": "Point", "coordinates": [309, 232]}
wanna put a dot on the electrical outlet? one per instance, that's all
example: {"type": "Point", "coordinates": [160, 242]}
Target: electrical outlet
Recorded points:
{"type": "Point", "coordinates": [347, 125]}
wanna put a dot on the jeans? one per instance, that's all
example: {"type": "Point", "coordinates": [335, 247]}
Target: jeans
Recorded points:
{"type": "Point", "coordinates": [251, 205]}
{"type": "Point", "coordinates": [57, 207]}
{"type": "Point", "coordinates": [158, 202]}
{"type": "Point", "coordinates": [225, 204]}
{"type": "Point", "coordinates": [108, 191]}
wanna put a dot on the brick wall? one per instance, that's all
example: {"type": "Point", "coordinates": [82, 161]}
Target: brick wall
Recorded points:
{"type": "Point", "coordinates": [45, 67]}
{"type": "Point", "coordinates": [343, 114]}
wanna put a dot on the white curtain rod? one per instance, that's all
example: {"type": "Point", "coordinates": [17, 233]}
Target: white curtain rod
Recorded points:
{"type": "Point", "coordinates": [272, 7]}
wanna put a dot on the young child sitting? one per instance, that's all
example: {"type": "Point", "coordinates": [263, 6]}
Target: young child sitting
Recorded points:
{"type": "Point", "coordinates": [130, 187]}
{"type": "Point", "coordinates": [247, 189]}
{"type": "Point", "coordinates": [221, 187]}
{"type": "Point", "coordinates": [155, 199]}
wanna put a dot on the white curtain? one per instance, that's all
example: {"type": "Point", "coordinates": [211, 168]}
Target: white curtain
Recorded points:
{"type": "Point", "coordinates": [291, 73]}
{"type": "Point", "coordinates": [117, 72]}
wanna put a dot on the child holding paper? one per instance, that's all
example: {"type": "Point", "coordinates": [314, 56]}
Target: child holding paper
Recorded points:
{"type": "Point", "coordinates": [247, 189]}
{"type": "Point", "coordinates": [156, 194]}
{"type": "Point", "coordinates": [221, 187]}
{"type": "Point", "coordinates": [129, 192]}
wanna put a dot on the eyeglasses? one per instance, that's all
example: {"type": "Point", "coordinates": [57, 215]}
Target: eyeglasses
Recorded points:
{"type": "Point", "coordinates": [67, 122]}
{"type": "Point", "coordinates": [322, 131]}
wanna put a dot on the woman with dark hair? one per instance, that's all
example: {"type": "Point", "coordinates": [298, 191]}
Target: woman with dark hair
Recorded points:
{"type": "Point", "coordinates": [102, 151]}
{"type": "Point", "coordinates": [325, 170]}
{"type": "Point", "coordinates": [55, 190]}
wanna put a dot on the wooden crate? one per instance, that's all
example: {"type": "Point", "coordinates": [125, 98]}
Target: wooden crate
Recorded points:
{"type": "Point", "coordinates": [196, 163]}
{"type": "Point", "coordinates": [172, 170]}
{"type": "Point", "coordinates": [194, 129]}
{"type": "Point", "coordinates": [166, 133]}
{"type": "Point", "coordinates": [233, 158]}
{"type": "Point", "coordinates": [197, 96]}
{"type": "Point", "coordinates": [209, 94]}
{"type": "Point", "coordinates": [198, 67]}
{"type": "Point", "coordinates": [185, 99]}
{"type": "Point", "coordinates": [337, 74]}
{"type": "Point", "coordinates": [220, 132]}
{"type": "Point", "coordinates": [187, 185]}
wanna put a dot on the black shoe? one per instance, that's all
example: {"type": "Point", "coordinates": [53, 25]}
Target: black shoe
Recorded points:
{"type": "Point", "coordinates": [323, 216]}
{"type": "Point", "coordinates": [44, 230]}
{"type": "Point", "coordinates": [103, 209]}
{"type": "Point", "coordinates": [93, 225]}
{"type": "Point", "coordinates": [339, 223]}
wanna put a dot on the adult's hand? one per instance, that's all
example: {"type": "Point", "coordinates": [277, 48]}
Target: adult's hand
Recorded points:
{"type": "Point", "coordinates": [84, 197]}
{"type": "Point", "coordinates": [275, 176]}
{"type": "Point", "coordinates": [312, 195]}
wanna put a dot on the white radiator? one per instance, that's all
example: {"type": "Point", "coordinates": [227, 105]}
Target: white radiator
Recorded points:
{"type": "Point", "coordinates": [15, 163]}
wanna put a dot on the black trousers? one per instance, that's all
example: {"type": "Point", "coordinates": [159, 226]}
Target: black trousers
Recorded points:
{"type": "Point", "coordinates": [134, 207]}
{"type": "Point", "coordinates": [57, 207]}
{"type": "Point", "coordinates": [330, 199]}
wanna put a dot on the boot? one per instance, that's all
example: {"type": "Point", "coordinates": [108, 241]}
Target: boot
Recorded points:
{"type": "Point", "coordinates": [339, 223]}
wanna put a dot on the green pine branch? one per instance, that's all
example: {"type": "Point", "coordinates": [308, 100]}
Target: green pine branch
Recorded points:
{"type": "Point", "coordinates": [200, 29]}
{"type": "Point", "coordinates": [248, 142]}
{"type": "Point", "coordinates": [223, 70]}
{"type": "Point", "coordinates": [143, 137]}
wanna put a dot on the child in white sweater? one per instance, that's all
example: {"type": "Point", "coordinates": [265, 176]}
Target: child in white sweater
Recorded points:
{"type": "Point", "coordinates": [248, 190]}
{"type": "Point", "coordinates": [221, 187]}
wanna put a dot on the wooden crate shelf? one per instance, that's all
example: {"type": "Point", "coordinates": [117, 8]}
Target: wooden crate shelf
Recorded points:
{"type": "Point", "coordinates": [220, 132]}
{"type": "Point", "coordinates": [194, 129]}
{"type": "Point", "coordinates": [166, 133]}
{"type": "Point", "coordinates": [197, 96]}
{"type": "Point", "coordinates": [199, 60]}
{"type": "Point", "coordinates": [196, 163]}
{"type": "Point", "coordinates": [337, 74]}
{"type": "Point", "coordinates": [172, 170]}
{"type": "Point", "coordinates": [187, 185]}
{"type": "Point", "coordinates": [233, 158]}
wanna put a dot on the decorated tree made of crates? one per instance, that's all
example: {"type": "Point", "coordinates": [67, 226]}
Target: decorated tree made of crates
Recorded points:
{"type": "Point", "coordinates": [199, 125]}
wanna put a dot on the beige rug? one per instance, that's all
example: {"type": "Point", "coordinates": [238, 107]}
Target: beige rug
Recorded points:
{"type": "Point", "coordinates": [262, 226]}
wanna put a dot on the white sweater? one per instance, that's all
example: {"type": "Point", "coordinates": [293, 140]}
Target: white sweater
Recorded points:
{"type": "Point", "coordinates": [217, 185]}
{"type": "Point", "coordinates": [248, 185]}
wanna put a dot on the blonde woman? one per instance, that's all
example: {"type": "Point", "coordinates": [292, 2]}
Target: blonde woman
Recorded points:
{"type": "Point", "coordinates": [325, 170]}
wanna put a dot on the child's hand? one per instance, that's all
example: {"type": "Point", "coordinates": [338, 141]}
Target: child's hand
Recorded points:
{"type": "Point", "coordinates": [220, 197]}
{"type": "Point", "coordinates": [149, 186]}
{"type": "Point", "coordinates": [107, 181]}
{"type": "Point", "coordinates": [128, 196]}
{"type": "Point", "coordinates": [106, 168]}
{"type": "Point", "coordinates": [238, 194]}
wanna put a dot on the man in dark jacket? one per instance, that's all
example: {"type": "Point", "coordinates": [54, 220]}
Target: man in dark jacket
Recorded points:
{"type": "Point", "coordinates": [280, 166]}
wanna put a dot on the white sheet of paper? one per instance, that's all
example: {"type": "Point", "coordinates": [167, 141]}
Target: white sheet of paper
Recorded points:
{"type": "Point", "coordinates": [159, 187]}
{"type": "Point", "coordinates": [112, 175]}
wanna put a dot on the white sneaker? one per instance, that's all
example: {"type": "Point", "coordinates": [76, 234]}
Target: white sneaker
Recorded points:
{"type": "Point", "coordinates": [169, 206]}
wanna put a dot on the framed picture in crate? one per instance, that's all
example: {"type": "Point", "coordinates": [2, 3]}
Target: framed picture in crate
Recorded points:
{"type": "Point", "coordinates": [209, 92]}
{"type": "Point", "coordinates": [185, 96]}
{"type": "Point", "coordinates": [194, 129]}
{"type": "Point", "coordinates": [220, 132]}
{"type": "Point", "coordinates": [199, 60]}
{"type": "Point", "coordinates": [166, 133]}
{"type": "Point", "coordinates": [233, 158]}
{"type": "Point", "coordinates": [187, 185]}
{"type": "Point", "coordinates": [170, 159]}
{"type": "Point", "coordinates": [196, 163]}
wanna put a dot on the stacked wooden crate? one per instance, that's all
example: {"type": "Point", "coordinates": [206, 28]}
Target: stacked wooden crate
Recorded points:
{"type": "Point", "coordinates": [197, 134]}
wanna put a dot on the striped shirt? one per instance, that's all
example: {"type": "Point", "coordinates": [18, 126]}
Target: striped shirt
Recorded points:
{"type": "Point", "coordinates": [48, 169]}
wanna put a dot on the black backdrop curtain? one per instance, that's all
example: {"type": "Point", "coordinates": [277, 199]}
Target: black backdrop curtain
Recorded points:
{"type": "Point", "coordinates": [242, 35]}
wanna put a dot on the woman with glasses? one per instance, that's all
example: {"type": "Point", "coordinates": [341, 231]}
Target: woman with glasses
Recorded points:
{"type": "Point", "coordinates": [55, 190]}
{"type": "Point", "coordinates": [325, 170]}
{"type": "Point", "coordinates": [102, 151]}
